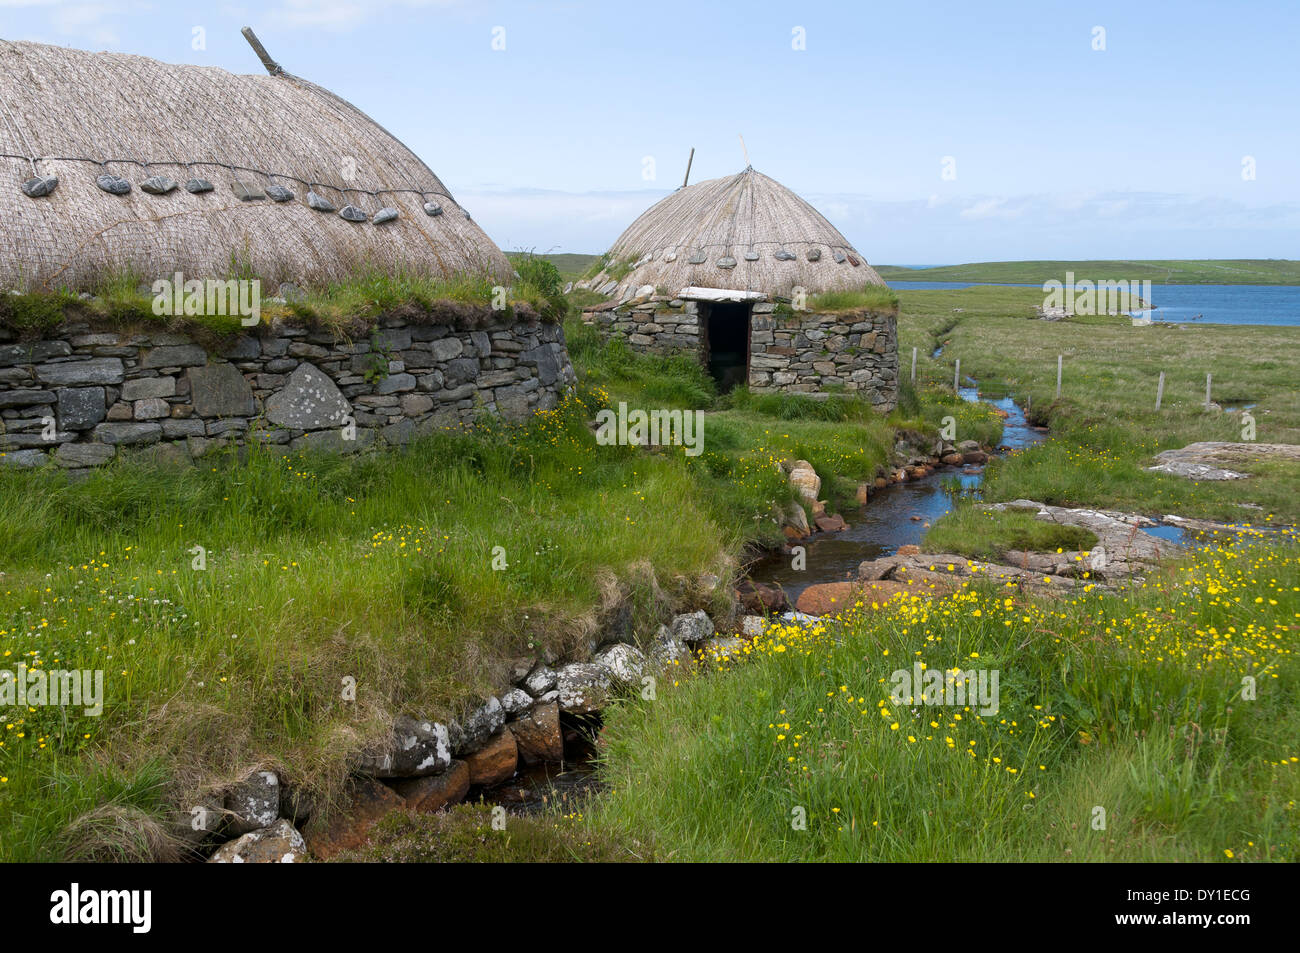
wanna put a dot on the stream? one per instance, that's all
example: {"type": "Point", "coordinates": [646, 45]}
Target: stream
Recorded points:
{"type": "Point", "coordinates": [896, 516]}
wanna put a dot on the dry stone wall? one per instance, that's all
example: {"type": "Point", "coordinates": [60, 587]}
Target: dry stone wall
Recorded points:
{"type": "Point", "coordinates": [800, 352]}
{"type": "Point", "coordinates": [78, 396]}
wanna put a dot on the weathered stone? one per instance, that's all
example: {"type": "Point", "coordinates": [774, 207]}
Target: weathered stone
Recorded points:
{"type": "Point", "coordinates": [113, 184]}
{"type": "Point", "coordinates": [395, 383]}
{"type": "Point", "coordinates": [318, 203]}
{"type": "Point", "coordinates": [125, 434]}
{"type": "Point", "coordinates": [625, 662]}
{"type": "Point", "coordinates": [278, 193]}
{"type": "Point", "coordinates": [540, 680]}
{"type": "Point", "coordinates": [23, 459]}
{"type": "Point", "coordinates": [309, 401]}
{"type": "Point", "coordinates": [142, 387]}
{"type": "Point", "coordinates": [694, 627]}
{"type": "Point", "coordinates": [436, 791]}
{"type": "Point", "coordinates": [158, 185]}
{"type": "Point", "coordinates": [80, 408]}
{"type": "Point", "coordinates": [418, 748]}
{"type": "Point", "coordinates": [40, 186]}
{"type": "Point", "coordinates": [368, 802]}
{"type": "Point", "coordinates": [74, 455]}
{"type": "Point", "coordinates": [584, 687]}
{"type": "Point", "coordinates": [666, 650]}
{"type": "Point", "coordinates": [279, 843]}
{"type": "Point", "coordinates": [253, 802]}
{"type": "Point", "coordinates": [97, 370]}
{"type": "Point", "coordinates": [25, 398]}
{"type": "Point", "coordinates": [350, 213]}
{"type": "Point", "coordinates": [537, 734]}
{"type": "Point", "coordinates": [495, 761]}
{"type": "Point", "coordinates": [220, 390]}
{"type": "Point", "coordinates": [198, 186]}
{"type": "Point", "coordinates": [481, 724]}
{"type": "Point", "coordinates": [516, 701]}
{"type": "Point", "coordinates": [177, 355]}
{"type": "Point", "coordinates": [385, 214]}
{"type": "Point", "coordinates": [150, 408]}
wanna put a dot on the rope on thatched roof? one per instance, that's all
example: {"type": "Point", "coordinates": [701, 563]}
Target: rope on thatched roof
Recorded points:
{"type": "Point", "coordinates": [731, 218]}
{"type": "Point", "coordinates": [107, 112]}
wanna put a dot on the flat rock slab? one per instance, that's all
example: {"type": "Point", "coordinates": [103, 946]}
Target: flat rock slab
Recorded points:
{"type": "Point", "coordinates": [1119, 534]}
{"type": "Point", "coordinates": [1215, 459]}
{"type": "Point", "coordinates": [278, 844]}
{"type": "Point", "coordinates": [309, 400]}
{"type": "Point", "coordinates": [220, 390]}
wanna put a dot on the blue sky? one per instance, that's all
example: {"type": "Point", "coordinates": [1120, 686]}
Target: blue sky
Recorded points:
{"type": "Point", "coordinates": [1056, 149]}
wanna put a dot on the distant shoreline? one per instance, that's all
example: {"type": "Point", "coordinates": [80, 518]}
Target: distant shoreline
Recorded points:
{"type": "Point", "coordinates": [1208, 271]}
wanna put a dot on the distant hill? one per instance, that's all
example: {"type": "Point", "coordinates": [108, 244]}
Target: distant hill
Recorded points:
{"type": "Point", "coordinates": [571, 266]}
{"type": "Point", "coordinates": [1208, 271]}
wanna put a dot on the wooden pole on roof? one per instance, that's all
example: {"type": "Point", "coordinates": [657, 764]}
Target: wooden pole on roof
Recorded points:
{"type": "Point", "coordinates": [686, 178]}
{"type": "Point", "coordinates": [271, 65]}
{"type": "Point", "coordinates": [744, 150]}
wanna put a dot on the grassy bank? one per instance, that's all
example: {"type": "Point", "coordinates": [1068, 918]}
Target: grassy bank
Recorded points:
{"type": "Point", "coordinates": [1105, 429]}
{"type": "Point", "coordinates": [1128, 711]}
{"type": "Point", "coordinates": [1207, 271]}
{"type": "Point", "coordinates": [377, 568]}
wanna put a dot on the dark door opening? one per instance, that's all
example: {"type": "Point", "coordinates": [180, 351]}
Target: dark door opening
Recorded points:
{"type": "Point", "coordinates": [726, 331]}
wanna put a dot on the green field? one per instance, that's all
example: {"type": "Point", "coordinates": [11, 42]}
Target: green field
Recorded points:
{"type": "Point", "coordinates": [570, 266]}
{"type": "Point", "coordinates": [1209, 271]}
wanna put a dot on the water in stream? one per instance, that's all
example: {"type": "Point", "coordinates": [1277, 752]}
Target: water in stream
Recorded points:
{"type": "Point", "coordinates": [896, 516]}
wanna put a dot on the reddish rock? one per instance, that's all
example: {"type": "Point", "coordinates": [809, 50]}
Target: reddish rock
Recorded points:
{"type": "Point", "coordinates": [910, 549]}
{"type": "Point", "coordinates": [537, 734]}
{"type": "Point", "coordinates": [864, 491]}
{"type": "Point", "coordinates": [953, 459]}
{"type": "Point", "coordinates": [881, 483]}
{"type": "Point", "coordinates": [831, 524]}
{"type": "Point", "coordinates": [494, 762]}
{"type": "Point", "coordinates": [346, 828]}
{"type": "Point", "coordinates": [832, 598]}
{"type": "Point", "coordinates": [975, 456]}
{"type": "Point", "coordinates": [436, 791]}
{"type": "Point", "coordinates": [760, 599]}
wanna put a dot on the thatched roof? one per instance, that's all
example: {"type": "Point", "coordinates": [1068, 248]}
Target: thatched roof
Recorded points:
{"type": "Point", "coordinates": [82, 115]}
{"type": "Point", "coordinates": [745, 232]}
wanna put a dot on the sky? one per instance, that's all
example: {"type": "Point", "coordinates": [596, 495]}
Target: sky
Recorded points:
{"type": "Point", "coordinates": [928, 133]}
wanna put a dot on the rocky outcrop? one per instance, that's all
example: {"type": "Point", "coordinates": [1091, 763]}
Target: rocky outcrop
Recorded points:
{"type": "Point", "coordinates": [279, 843]}
{"type": "Point", "coordinates": [1216, 460]}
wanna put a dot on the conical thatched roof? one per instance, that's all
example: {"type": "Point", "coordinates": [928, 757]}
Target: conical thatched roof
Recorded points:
{"type": "Point", "coordinates": [744, 232]}
{"type": "Point", "coordinates": [84, 115]}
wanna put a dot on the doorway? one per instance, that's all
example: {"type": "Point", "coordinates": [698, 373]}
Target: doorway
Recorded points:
{"type": "Point", "coordinates": [726, 326]}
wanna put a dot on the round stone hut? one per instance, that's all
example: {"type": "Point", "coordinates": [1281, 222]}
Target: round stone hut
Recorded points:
{"type": "Point", "coordinates": [750, 277]}
{"type": "Point", "coordinates": [227, 187]}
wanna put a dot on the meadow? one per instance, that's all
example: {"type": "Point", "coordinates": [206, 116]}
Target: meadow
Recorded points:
{"type": "Point", "coordinates": [1232, 271]}
{"type": "Point", "coordinates": [316, 568]}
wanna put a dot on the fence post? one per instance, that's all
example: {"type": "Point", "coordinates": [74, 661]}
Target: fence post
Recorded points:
{"type": "Point", "coordinates": [1160, 391]}
{"type": "Point", "coordinates": [913, 365]}
{"type": "Point", "coordinates": [1207, 391]}
{"type": "Point", "coordinates": [956, 376]}
{"type": "Point", "coordinates": [1058, 376]}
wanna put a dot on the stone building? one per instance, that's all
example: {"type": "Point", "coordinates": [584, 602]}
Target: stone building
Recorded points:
{"type": "Point", "coordinates": [733, 270]}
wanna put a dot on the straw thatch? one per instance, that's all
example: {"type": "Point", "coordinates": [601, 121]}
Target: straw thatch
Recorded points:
{"type": "Point", "coordinates": [79, 115]}
{"type": "Point", "coordinates": [744, 232]}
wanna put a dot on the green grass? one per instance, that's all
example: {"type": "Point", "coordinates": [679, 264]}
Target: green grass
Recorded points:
{"type": "Point", "coordinates": [347, 307]}
{"type": "Point", "coordinates": [1104, 428]}
{"type": "Point", "coordinates": [1131, 704]}
{"type": "Point", "coordinates": [968, 530]}
{"type": "Point", "coordinates": [1208, 271]}
{"type": "Point", "coordinates": [570, 266]}
{"type": "Point", "coordinates": [874, 298]}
